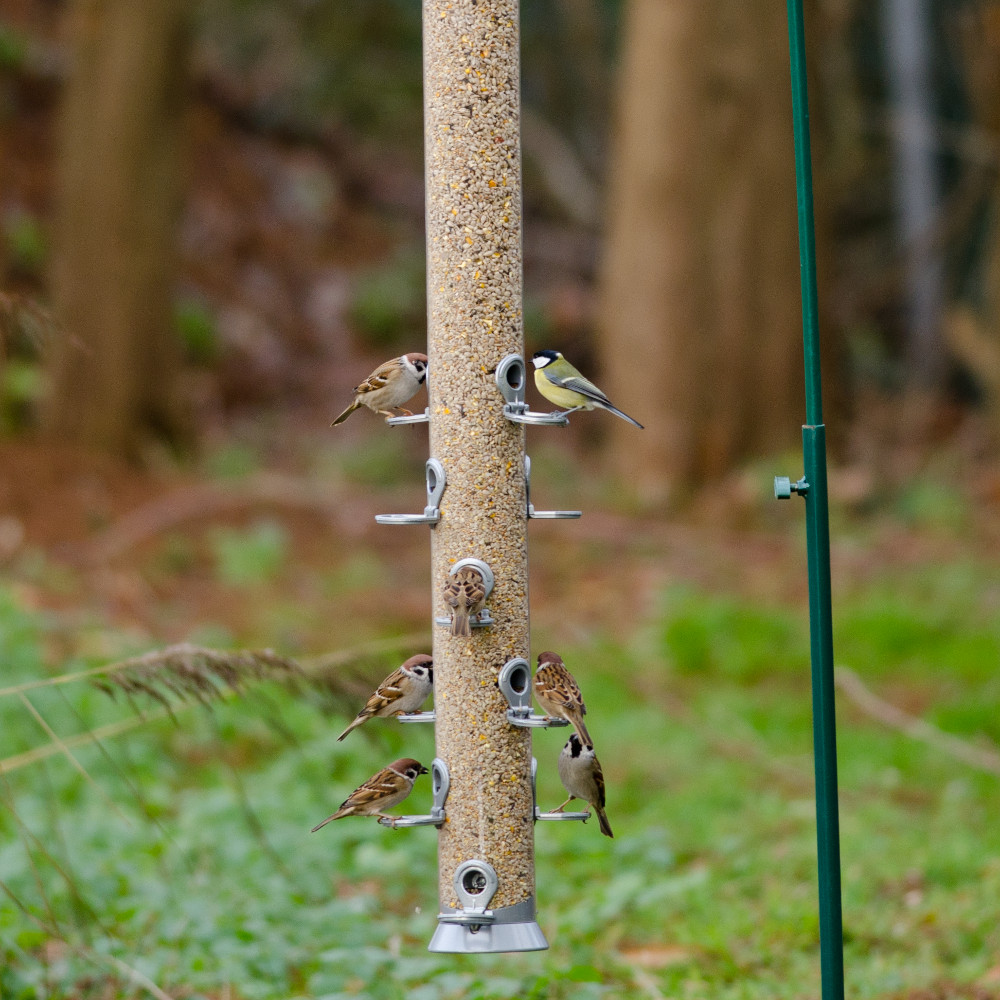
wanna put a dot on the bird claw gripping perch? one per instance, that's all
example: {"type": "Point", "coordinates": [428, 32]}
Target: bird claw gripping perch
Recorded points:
{"type": "Point", "coordinates": [556, 814]}
{"type": "Point", "coordinates": [409, 418]}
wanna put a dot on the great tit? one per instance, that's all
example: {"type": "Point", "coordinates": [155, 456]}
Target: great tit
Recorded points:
{"type": "Point", "coordinates": [560, 383]}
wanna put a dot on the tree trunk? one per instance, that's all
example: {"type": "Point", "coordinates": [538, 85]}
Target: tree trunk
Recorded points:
{"type": "Point", "coordinates": [700, 306]}
{"type": "Point", "coordinates": [972, 323]}
{"type": "Point", "coordinates": [113, 377]}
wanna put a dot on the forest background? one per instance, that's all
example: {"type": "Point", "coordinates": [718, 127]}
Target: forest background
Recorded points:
{"type": "Point", "coordinates": [211, 228]}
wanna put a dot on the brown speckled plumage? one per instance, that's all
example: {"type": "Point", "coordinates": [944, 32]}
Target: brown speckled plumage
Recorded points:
{"type": "Point", "coordinates": [383, 790]}
{"type": "Point", "coordinates": [559, 694]}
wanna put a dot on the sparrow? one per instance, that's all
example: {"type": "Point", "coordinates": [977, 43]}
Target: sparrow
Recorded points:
{"type": "Point", "coordinates": [381, 791]}
{"type": "Point", "coordinates": [581, 774]}
{"type": "Point", "coordinates": [389, 386]}
{"type": "Point", "coordinates": [560, 383]}
{"type": "Point", "coordinates": [465, 593]}
{"type": "Point", "coordinates": [404, 690]}
{"type": "Point", "coordinates": [559, 694]}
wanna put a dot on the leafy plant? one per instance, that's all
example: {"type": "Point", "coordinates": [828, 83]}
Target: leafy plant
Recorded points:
{"type": "Point", "coordinates": [13, 48]}
{"type": "Point", "coordinates": [22, 383]}
{"type": "Point", "coordinates": [250, 557]}
{"type": "Point", "coordinates": [196, 325]}
{"type": "Point", "coordinates": [389, 304]}
{"type": "Point", "coordinates": [24, 240]}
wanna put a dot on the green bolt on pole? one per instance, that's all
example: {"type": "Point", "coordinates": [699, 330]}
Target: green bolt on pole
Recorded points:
{"type": "Point", "coordinates": [814, 491]}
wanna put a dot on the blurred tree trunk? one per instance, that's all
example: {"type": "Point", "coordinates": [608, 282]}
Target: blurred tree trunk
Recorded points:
{"type": "Point", "coordinates": [972, 322]}
{"type": "Point", "coordinates": [700, 309]}
{"type": "Point", "coordinates": [114, 375]}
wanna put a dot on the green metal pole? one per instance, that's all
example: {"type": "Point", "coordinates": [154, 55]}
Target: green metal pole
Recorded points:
{"type": "Point", "coordinates": [807, 231]}
{"type": "Point", "coordinates": [831, 935]}
{"type": "Point", "coordinates": [814, 490]}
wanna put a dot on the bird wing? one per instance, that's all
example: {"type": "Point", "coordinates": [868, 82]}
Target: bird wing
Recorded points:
{"type": "Point", "coordinates": [599, 783]}
{"type": "Point", "coordinates": [557, 684]}
{"type": "Point", "coordinates": [473, 588]}
{"type": "Point", "coordinates": [465, 590]}
{"type": "Point", "coordinates": [375, 791]}
{"type": "Point", "coordinates": [387, 693]}
{"type": "Point", "coordinates": [577, 383]}
{"type": "Point", "coordinates": [378, 378]}
{"type": "Point", "coordinates": [452, 592]}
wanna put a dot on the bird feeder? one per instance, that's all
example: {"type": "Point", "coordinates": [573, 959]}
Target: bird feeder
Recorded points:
{"type": "Point", "coordinates": [472, 149]}
{"type": "Point", "coordinates": [478, 501]}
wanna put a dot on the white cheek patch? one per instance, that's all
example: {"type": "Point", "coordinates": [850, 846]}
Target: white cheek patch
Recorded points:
{"type": "Point", "coordinates": [540, 362]}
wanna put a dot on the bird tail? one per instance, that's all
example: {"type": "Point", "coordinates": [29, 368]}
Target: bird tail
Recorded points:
{"type": "Point", "coordinates": [339, 814]}
{"type": "Point", "coordinates": [602, 818]}
{"type": "Point", "coordinates": [460, 623]}
{"type": "Point", "coordinates": [349, 411]}
{"type": "Point", "coordinates": [581, 731]}
{"type": "Point", "coordinates": [357, 722]}
{"type": "Point", "coordinates": [619, 413]}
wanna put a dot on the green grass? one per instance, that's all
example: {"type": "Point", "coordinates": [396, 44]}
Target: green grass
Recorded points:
{"type": "Point", "coordinates": [189, 859]}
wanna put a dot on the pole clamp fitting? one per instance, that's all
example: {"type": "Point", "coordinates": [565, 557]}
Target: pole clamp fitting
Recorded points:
{"type": "Point", "coordinates": [784, 487]}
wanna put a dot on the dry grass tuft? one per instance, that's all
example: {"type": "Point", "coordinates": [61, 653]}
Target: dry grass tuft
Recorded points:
{"type": "Point", "coordinates": [184, 672]}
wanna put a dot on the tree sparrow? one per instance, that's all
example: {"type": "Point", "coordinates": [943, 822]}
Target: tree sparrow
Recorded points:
{"type": "Point", "coordinates": [465, 593]}
{"type": "Point", "coordinates": [381, 791]}
{"type": "Point", "coordinates": [389, 386]}
{"type": "Point", "coordinates": [559, 694]}
{"type": "Point", "coordinates": [581, 774]}
{"type": "Point", "coordinates": [404, 690]}
{"type": "Point", "coordinates": [560, 383]}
